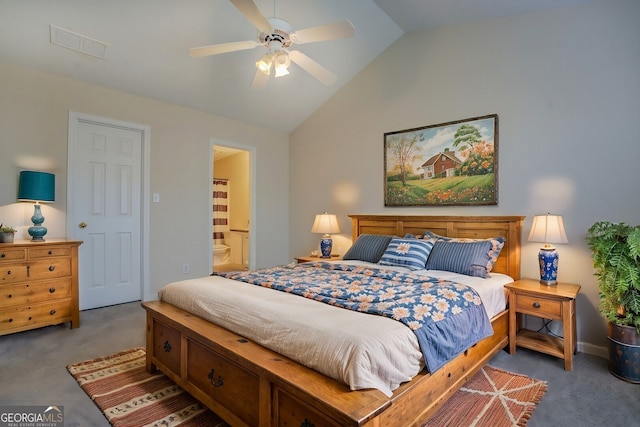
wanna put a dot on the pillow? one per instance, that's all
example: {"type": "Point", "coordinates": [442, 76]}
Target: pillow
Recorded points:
{"type": "Point", "coordinates": [368, 247]}
{"type": "Point", "coordinates": [471, 257]}
{"type": "Point", "coordinates": [497, 243]}
{"type": "Point", "coordinates": [410, 253]}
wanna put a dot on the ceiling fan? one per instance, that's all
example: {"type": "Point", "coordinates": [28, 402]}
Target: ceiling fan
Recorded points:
{"type": "Point", "coordinates": [277, 36]}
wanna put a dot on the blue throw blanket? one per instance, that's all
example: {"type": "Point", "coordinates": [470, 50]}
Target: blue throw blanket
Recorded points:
{"type": "Point", "coordinates": [446, 317]}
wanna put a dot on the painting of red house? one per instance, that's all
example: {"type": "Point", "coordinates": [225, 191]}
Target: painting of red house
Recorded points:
{"type": "Point", "coordinates": [453, 163]}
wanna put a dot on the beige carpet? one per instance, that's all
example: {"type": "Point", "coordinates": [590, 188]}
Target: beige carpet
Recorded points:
{"type": "Point", "coordinates": [129, 396]}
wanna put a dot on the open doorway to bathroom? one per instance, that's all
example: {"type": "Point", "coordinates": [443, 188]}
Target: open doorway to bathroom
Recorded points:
{"type": "Point", "coordinates": [231, 208]}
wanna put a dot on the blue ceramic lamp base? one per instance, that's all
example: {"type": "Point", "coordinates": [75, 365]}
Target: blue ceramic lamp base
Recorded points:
{"type": "Point", "coordinates": [37, 232]}
{"type": "Point", "coordinates": [326, 245]}
{"type": "Point", "coordinates": [548, 261]}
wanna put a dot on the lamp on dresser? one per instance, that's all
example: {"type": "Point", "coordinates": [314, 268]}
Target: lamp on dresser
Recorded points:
{"type": "Point", "coordinates": [38, 187]}
{"type": "Point", "coordinates": [325, 224]}
{"type": "Point", "coordinates": [548, 229]}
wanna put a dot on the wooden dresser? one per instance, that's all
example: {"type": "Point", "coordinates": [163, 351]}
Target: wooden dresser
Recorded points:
{"type": "Point", "coordinates": [38, 284]}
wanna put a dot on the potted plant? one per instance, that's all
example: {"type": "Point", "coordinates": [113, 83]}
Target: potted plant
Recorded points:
{"type": "Point", "coordinates": [615, 250]}
{"type": "Point", "coordinates": [6, 234]}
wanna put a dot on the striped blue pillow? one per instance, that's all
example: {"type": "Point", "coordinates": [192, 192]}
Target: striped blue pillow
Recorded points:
{"type": "Point", "coordinates": [470, 258]}
{"type": "Point", "coordinates": [368, 247]}
{"type": "Point", "coordinates": [409, 253]}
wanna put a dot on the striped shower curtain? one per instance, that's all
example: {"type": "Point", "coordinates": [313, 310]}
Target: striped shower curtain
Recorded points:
{"type": "Point", "coordinates": [220, 209]}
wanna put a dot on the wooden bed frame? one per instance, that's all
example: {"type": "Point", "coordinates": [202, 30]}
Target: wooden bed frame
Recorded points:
{"type": "Point", "coordinates": [249, 385]}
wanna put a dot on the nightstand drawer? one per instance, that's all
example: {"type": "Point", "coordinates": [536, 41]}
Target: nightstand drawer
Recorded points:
{"type": "Point", "coordinates": [539, 306]}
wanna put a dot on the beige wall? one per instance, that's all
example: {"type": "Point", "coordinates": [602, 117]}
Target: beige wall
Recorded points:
{"type": "Point", "coordinates": [235, 168]}
{"type": "Point", "coordinates": [34, 110]}
{"type": "Point", "coordinates": [566, 86]}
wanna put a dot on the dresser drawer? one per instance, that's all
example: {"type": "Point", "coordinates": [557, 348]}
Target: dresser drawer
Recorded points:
{"type": "Point", "coordinates": [292, 412]}
{"type": "Point", "coordinates": [52, 251]}
{"type": "Point", "coordinates": [11, 273]}
{"type": "Point", "coordinates": [12, 254]}
{"type": "Point", "coordinates": [28, 316]}
{"type": "Point", "coordinates": [167, 347]}
{"type": "Point", "coordinates": [539, 306]}
{"type": "Point", "coordinates": [31, 292]}
{"type": "Point", "coordinates": [48, 269]}
{"type": "Point", "coordinates": [231, 385]}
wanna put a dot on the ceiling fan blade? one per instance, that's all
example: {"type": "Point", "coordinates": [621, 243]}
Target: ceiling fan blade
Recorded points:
{"type": "Point", "coordinates": [215, 49]}
{"type": "Point", "coordinates": [337, 30]}
{"type": "Point", "coordinates": [253, 13]}
{"type": "Point", "coordinates": [312, 67]}
{"type": "Point", "coordinates": [260, 80]}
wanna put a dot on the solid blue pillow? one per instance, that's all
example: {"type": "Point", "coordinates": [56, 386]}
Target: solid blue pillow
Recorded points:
{"type": "Point", "coordinates": [409, 253]}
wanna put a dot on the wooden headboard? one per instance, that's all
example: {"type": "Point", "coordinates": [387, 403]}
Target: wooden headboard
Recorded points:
{"type": "Point", "coordinates": [471, 227]}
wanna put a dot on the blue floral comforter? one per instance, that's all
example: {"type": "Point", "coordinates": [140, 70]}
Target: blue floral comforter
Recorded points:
{"type": "Point", "coordinates": [446, 317]}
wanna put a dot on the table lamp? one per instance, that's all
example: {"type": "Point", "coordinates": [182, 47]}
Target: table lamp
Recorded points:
{"type": "Point", "coordinates": [548, 229]}
{"type": "Point", "coordinates": [325, 224]}
{"type": "Point", "coordinates": [38, 187]}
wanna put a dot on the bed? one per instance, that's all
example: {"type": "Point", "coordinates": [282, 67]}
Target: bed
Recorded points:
{"type": "Point", "coordinates": [248, 384]}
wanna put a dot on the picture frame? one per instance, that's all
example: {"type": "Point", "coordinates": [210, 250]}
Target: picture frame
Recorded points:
{"type": "Point", "coordinates": [447, 164]}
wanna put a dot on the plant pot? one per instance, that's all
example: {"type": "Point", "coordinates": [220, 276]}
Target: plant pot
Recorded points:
{"type": "Point", "coordinates": [624, 352]}
{"type": "Point", "coordinates": [6, 237]}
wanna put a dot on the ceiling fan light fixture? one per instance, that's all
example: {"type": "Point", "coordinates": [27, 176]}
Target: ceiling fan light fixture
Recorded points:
{"type": "Point", "coordinates": [264, 64]}
{"type": "Point", "coordinates": [281, 64]}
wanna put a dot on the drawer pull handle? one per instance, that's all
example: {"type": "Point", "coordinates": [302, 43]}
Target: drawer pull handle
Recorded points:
{"type": "Point", "coordinates": [536, 304]}
{"type": "Point", "coordinates": [218, 382]}
{"type": "Point", "coordinates": [49, 253]}
{"type": "Point", "coordinates": [2, 255]}
{"type": "Point", "coordinates": [52, 267]}
{"type": "Point", "coordinates": [307, 423]}
{"type": "Point", "coordinates": [52, 290]}
{"type": "Point", "coordinates": [10, 320]}
{"type": "Point", "coordinates": [52, 312]}
{"type": "Point", "coordinates": [167, 346]}
{"type": "Point", "coordinates": [10, 296]}
{"type": "Point", "coordinates": [9, 273]}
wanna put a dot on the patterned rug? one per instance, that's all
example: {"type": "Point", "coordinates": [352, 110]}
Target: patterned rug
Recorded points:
{"type": "Point", "coordinates": [129, 396]}
{"type": "Point", "coordinates": [492, 398]}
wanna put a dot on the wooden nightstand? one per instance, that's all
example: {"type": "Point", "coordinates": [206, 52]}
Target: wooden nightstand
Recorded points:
{"type": "Point", "coordinates": [556, 302]}
{"type": "Point", "coordinates": [310, 258]}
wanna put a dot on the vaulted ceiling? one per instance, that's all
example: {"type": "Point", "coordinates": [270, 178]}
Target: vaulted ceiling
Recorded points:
{"type": "Point", "coordinates": [149, 40]}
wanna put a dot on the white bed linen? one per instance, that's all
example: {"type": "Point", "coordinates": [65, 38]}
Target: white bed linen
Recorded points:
{"type": "Point", "coordinates": [358, 349]}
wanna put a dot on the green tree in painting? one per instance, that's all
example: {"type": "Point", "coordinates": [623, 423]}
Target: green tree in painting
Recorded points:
{"type": "Point", "coordinates": [466, 135]}
{"type": "Point", "coordinates": [404, 149]}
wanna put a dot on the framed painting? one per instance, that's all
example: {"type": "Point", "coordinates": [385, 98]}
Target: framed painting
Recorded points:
{"type": "Point", "coordinates": [448, 164]}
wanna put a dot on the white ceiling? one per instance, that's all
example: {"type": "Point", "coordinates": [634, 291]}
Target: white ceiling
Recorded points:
{"type": "Point", "coordinates": [149, 41]}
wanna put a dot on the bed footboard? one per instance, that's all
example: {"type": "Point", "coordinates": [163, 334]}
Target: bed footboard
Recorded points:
{"type": "Point", "coordinates": [249, 385]}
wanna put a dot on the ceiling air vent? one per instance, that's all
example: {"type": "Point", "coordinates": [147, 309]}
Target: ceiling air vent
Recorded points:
{"type": "Point", "coordinates": [78, 42]}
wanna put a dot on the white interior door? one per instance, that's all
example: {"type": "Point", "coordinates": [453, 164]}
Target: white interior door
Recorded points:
{"type": "Point", "coordinates": [105, 200]}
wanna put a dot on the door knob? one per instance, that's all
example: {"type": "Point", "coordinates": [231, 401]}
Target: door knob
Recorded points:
{"type": "Point", "coordinates": [82, 225]}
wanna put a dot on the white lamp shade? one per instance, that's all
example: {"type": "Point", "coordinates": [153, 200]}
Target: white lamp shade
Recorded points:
{"type": "Point", "coordinates": [325, 224]}
{"type": "Point", "coordinates": [548, 229]}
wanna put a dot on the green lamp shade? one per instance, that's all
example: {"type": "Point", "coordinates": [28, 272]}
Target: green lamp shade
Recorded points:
{"type": "Point", "coordinates": [36, 186]}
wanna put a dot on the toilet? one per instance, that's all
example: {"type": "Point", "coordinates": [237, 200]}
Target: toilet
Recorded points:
{"type": "Point", "coordinates": [221, 254]}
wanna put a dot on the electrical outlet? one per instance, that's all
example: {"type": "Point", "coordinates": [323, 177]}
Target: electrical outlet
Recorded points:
{"type": "Point", "coordinates": [186, 268]}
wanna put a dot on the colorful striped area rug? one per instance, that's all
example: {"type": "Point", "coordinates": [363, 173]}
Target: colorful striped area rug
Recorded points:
{"type": "Point", "coordinates": [129, 396]}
